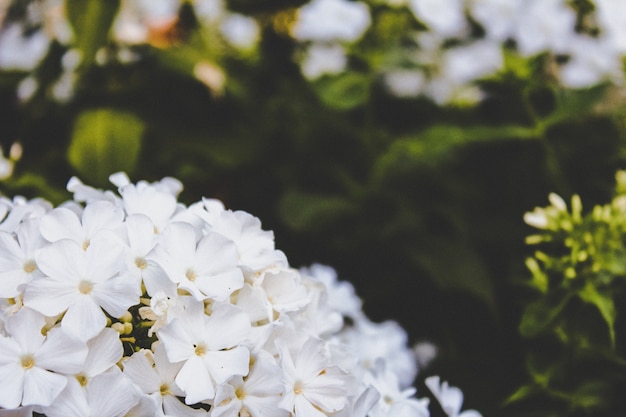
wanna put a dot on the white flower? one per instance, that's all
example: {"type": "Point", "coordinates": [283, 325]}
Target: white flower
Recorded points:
{"type": "Point", "coordinates": [31, 364]}
{"type": "Point", "coordinates": [322, 59]}
{"type": "Point", "coordinates": [394, 401]}
{"type": "Point", "coordinates": [19, 51]}
{"type": "Point", "coordinates": [257, 394]}
{"type": "Point", "coordinates": [206, 269]}
{"type": "Point", "coordinates": [255, 246]}
{"type": "Point", "coordinates": [99, 219]}
{"type": "Point", "coordinates": [155, 375]}
{"type": "Point", "coordinates": [212, 348]}
{"type": "Point", "coordinates": [591, 61]}
{"type": "Point", "coordinates": [240, 31]}
{"type": "Point", "coordinates": [450, 398]}
{"type": "Point", "coordinates": [107, 395]}
{"type": "Point", "coordinates": [81, 283]}
{"type": "Point", "coordinates": [405, 83]}
{"type": "Point", "coordinates": [331, 20]}
{"type": "Point", "coordinates": [17, 258]}
{"type": "Point", "coordinates": [105, 350]}
{"type": "Point", "coordinates": [545, 25]}
{"type": "Point", "coordinates": [612, 22]}
{"type": "Point", "coordinates": [313, 386]}
{"type": "Point", "coordinates": [498, 17]}
{"type": "Point", "coordinates": [446, 18]}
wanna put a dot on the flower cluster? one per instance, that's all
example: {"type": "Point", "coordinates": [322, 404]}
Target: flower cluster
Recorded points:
{"type": "Point", "coordinates": [28, 28]}
{"type": "Point", "coordinates": [133, 304]}
{"type": "Point", "coordinates": [451, 44]}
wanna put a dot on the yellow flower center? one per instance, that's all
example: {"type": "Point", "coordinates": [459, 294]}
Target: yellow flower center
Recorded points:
{"type": "Point", "coordinates": [28, 361]}
{"type": "Point", "coordinates": [240, 393]}
{"type": "Point", "coordinates": [200, 350]}
{"type": "Point", "coordinates": [191, 275]}
{"type": "Point", "coordinates": [141, 263]}
{"type": "Point", "coordinates": [82, 380]}
{"type": "Point", "coordinates": [165, 390]}
{"type": "Point", "coordinates": [85, 287]}
{"type": "Point", "coordinates": [30, 266]}
{"type": "Point", "coordinates": [298, 388]}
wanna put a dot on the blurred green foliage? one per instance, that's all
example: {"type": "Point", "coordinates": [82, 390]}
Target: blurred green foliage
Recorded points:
{"type": "Point", "coordinates": [419, 205]}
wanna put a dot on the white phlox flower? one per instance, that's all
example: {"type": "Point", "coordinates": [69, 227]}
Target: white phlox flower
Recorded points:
{"type": "Point", "coordinates": [20, 209]}
{"type": "Point", "coordinates": [105, 350]}
{"type": "Point", "coordinates": [206, 269]}
{"type": "Point", "coordinates": [212, 348]}
{"type": "Point", "coordinates": [321, 59]}
{"type": "Point", "coordinates": [497, 17]}
{"type": "Point", "coordinates": [108, 394]}
{"type": "Point", "coordinates": [155, 376]}
{"type": "Point", "coordinates": [255, 246]}
{"type": "Point", "coordinates": [17, 257]}
{"type": "Point", "coordinates": [331, 20]}
{"type": "Point", "coordinates": [545, 25]}
{"type": "Point", "coordinates": [81, 283]}
{"type": "Point", "coordinates": [446, 18]}
{"type": "Point", "coordinates": [450, 398]}
{"type": "Point", "coordinates": [340, 295]}
{"type": "Point", "coordinates": [255, 395]}
{"type": "Point", "coordinates": [99, 219]}
{"type": "Point", "coordinates": [370, 343]}
{"type": "Point", "coordinates": [198, 307]}
{"type": "Point", "coordinates": [31, 364]}
{"type": "Point", "coordinates": [157, 201]}
{"type": "Point", "coordinates": [394, 401]}
{"type": "Point", "coordinates": [314, 387]}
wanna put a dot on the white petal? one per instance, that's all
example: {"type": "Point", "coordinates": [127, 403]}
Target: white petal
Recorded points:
{"type": "Point", "coordinates": [140, 371]}
{"type": "Point", "coordinates": [228, 326]}
{"type": "Point", "coordinates": [61, 223]}
{"type": "Point", "coordinates": [104, 259]}
{"type": "Point", "coordinates": [101, 215]}
{"type": "Point", "coordinates": [215, 254]}
{"type": "Point", "coordinates": [178, 343]}
{"type": "Point", "coordinates": [25, 328]}
{"type": "Point", "coordinates": [72, 402]}
{"type": "Point", "coordinates": [173, 407]}
{"type": "Point", "coordinates": [105, 350]}
{"type": "Point", "coordinates": [61, 353]}
{"type": "Point", "coordinates": [224, 364]}
{"type": "Point", "coordinates": [84, 319]}
{"type": "Point", "coordinates": [12, 376]}
{"type": "Point", "coordinates": [117, 294]}
{"type": "Point", "coordinates": [42, 387]}
{"type": "Point", "coordinates": [220, 286]}
{"type": "Point", "coordinates": [195, 380]}
{"type": "Point", "coordinates": [62, 261]}
{"type": "Point", "coordinates": [50, 297]}
{"type": "Point", "coordinates": [111, 394]}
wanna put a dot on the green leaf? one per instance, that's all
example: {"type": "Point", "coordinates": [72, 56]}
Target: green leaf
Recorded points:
{"type": "Point", "coordinates": [343, 92]}
{"type": "Point", "coordinates": [604, 304]}
{"type": "Point", "coordinates": [539, 315]}
{"type": "Point", "coordinates": [572, 104]}
{"type": "Point", "coordinates": [302, 211]}
{"type": "Point", "coordinates": [438, 142]}
{"type": "Point", "coordinates": [522, 393]}
{"type": "Point", "coordinates": [105, 141]}
{"type": "Point", "coordinates": [91, 21]}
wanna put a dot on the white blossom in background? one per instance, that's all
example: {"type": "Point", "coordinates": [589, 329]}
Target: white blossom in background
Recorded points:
{"type": "Point", "coordinates": [331, 20]}
{"type": "Point", "coordinates": [546, 25]}
{"type": "Point", "coordinates": [134, 304]}
{"type": "Point", "coordinates": [322, 59]}
{"type": "Point", "coordinates": [445, 18]}
{"type": "Point", "coordinates": [498, 17]}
